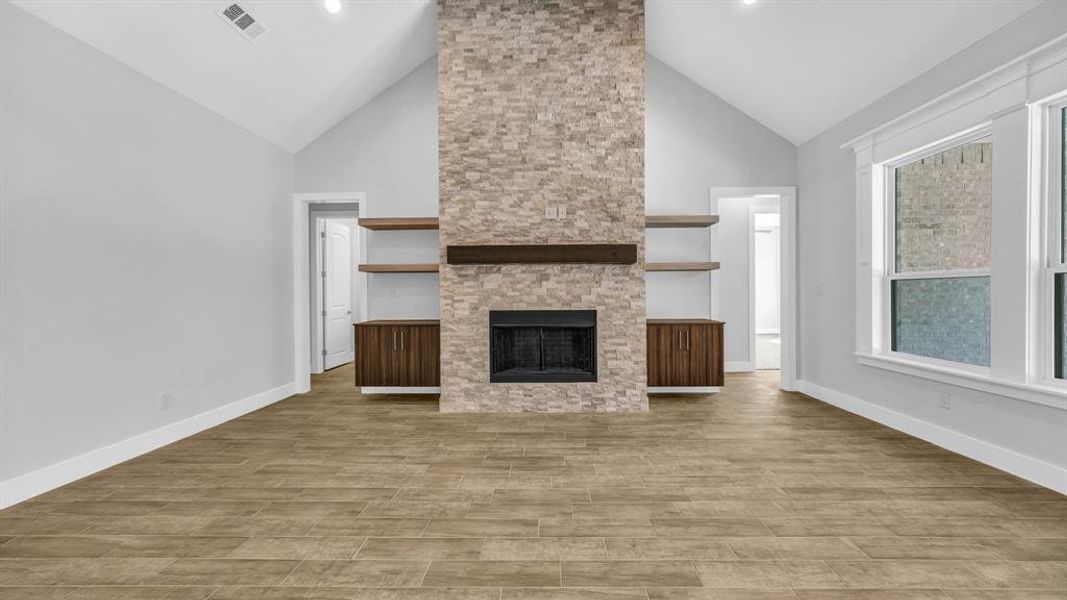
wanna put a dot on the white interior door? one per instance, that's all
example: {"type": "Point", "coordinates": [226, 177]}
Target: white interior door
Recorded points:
{"type": "Point", "coordinates": [337, 294]}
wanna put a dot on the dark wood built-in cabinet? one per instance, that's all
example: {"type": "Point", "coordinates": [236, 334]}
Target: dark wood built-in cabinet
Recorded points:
{"type": "Point", "coordinates": [685, 353]}
{"type": "Point", "coordinates": [407, 353]}
{"type": "Point", "coordinates": [398, 353]}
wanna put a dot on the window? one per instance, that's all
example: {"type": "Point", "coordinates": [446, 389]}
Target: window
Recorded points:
{"type": "Point", "coordinates": [1058, 236]}
{"type": "Point", "coordinates": [939, 297]}
{"type": "Point", "coordinates": [941, 207]}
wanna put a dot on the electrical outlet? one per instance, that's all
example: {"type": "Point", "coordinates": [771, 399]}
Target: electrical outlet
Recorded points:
{"type": "Point", "coordinates": [167, 400]}
{"type": "Point", "coordinates": [562, 212]}
{"type": "Point", "coordinates": [946, 401]}
{"type": "Point", "coordinates": [551, 212]}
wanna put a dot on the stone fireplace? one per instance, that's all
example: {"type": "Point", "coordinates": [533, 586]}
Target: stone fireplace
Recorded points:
{"type": "Point", "coordinates": [541, 141]}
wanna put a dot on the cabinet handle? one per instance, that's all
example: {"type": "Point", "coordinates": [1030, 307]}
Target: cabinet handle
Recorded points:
{"type": "Point", "coordinates": [394, 340]}
{"type": "Point", "coordinates": [687, 339]}
{"type": "Point", "coordinates": [402, 332]}
{"type": "Point", "coordinates": [680, 346]}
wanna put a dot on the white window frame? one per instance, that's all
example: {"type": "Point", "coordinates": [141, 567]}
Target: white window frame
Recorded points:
{"type": "Point", "coordinates": [1007, 98]}
{"type": "Point", "coordinates": [887, 204]}
{"type": "Point", "coordinates": [1047, 123]}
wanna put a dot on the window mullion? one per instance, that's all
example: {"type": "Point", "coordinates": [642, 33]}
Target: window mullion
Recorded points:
{"type": "Point", "coordinates": [948, 274]}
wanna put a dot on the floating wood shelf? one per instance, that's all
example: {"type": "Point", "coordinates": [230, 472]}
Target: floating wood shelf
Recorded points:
{"type": "Point", "coordinates": [398, 322]}
{"type": "Point", "coordinates": [682, 266]}
{"type": "Point", "coordinates": [684, 321]}
{"type": "Point", "coordinates": [662, 221]}
{"type": "Point", "coordinates": [619, 254]}
{"type": "Point", "coordinates": [399, 223]}
{"type": "Point", "coordinates": [401, 268]}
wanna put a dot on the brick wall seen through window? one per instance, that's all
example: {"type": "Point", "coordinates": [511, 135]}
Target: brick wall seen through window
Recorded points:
{"type": "Point", "coordinates": [942, 237]}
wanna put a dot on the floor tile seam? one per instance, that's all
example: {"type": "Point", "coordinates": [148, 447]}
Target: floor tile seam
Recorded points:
{"type": "Point", "coordinates": [422, 580]}
{"type": "Point", "coordinates": [289, 573]}
{"type": "Point", "coordinates": [361, 545]}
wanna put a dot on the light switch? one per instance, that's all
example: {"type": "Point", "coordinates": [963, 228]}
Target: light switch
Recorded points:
{"type": "Point", "coordinates": [562, 212]}
{"type": "Point", "coordinates": [550, 212]}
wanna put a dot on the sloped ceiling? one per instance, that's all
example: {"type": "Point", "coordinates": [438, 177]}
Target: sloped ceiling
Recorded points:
{"type": "Point", "coordinates": [797, 66]}
{"type": "Point", "coordinates": [801, 66]}
{"type": "Point", "coordinates": [306, 73]}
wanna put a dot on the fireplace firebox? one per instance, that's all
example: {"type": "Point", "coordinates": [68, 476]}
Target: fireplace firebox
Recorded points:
{"type": "Point", "coordinates": [542, 346]}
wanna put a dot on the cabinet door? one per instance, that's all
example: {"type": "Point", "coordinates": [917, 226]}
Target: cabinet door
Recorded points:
{"type": "Point", "coordinates": [421, 348]}
{"type": "Point", "coordinates": [703, 344]}
{"type": "Point", "coordinates": [656, 355]}
{"type": "Point", "coordinates": [716, 356]}
{"type": "Point", "coordinates": [667, 364]}
{"type": "Point", "coordinates": [697, 352]}
{"type": "Point", "coordinates": [377, 356]}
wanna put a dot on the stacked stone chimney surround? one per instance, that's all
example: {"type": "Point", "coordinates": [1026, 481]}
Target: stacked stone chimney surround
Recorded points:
{"type": "Point", "coordinates": [542, 104]}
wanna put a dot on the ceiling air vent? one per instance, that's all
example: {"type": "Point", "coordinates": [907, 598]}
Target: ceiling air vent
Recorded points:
{"type": "Point", "coordinates": [243, 22]}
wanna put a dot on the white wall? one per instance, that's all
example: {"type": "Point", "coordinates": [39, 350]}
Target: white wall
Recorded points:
{"type": "Point", "coordinates": [144, 248]}
{"type": "Point", "coordinates": [388, 149]}
{"type": "Point", "coordinates": [1024, 431]}
{"type": "Point", "coordinates": [695, 141]}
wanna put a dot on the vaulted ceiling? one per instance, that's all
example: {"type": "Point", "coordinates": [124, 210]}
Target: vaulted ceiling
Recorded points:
{"type": "Point", "coordinates": [797, 66]}
{"type": "Point", "coordinates": [306, 73]}
{"type": "Point", "coordinates": [801, 66]}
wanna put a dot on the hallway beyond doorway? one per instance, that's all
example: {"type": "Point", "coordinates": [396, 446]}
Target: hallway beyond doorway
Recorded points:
{"type": "Point", "coordinates": [768, 351]}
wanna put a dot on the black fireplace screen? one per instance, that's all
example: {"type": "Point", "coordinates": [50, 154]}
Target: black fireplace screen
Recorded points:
{"type": "Point", "coordinates": [542, 346]}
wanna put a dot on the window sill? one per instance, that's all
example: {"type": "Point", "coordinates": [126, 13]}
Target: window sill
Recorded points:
{"type": "Point", "coordinates": [1046, 395]}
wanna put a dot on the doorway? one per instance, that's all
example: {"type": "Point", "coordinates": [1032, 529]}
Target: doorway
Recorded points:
{"type": "Point", "coordinates": [316, 332]}
{"type": "Point", "coordinates": [766, 300]}
{"type": "Point", "coordinates": [754, 291]}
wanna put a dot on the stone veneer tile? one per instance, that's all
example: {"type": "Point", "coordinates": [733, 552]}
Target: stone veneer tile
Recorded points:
{"type": "Point", "coordinates": [542, 104]}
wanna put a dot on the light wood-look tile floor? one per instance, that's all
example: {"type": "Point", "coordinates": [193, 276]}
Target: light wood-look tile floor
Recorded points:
{"type": "Point", "coordinates": [752, 494]}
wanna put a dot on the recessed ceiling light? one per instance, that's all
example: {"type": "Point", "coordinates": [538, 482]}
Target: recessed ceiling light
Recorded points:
{"type": "Point", "coordinates": [334, 6]}
{"type": "Point", "coordinates": [748, 1]}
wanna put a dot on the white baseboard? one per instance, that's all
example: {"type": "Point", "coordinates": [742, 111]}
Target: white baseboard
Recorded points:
{"type": "Point", "coordinates": [736, 366]}
{"type": "Point", "coordinates": [34, 483]}
{"type": "Point", "coordinates": [399, 390]}
{"type": "Point", "coordinates": [684, 390]}
{"type": "Point", "coordinates": [1020, 465]}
